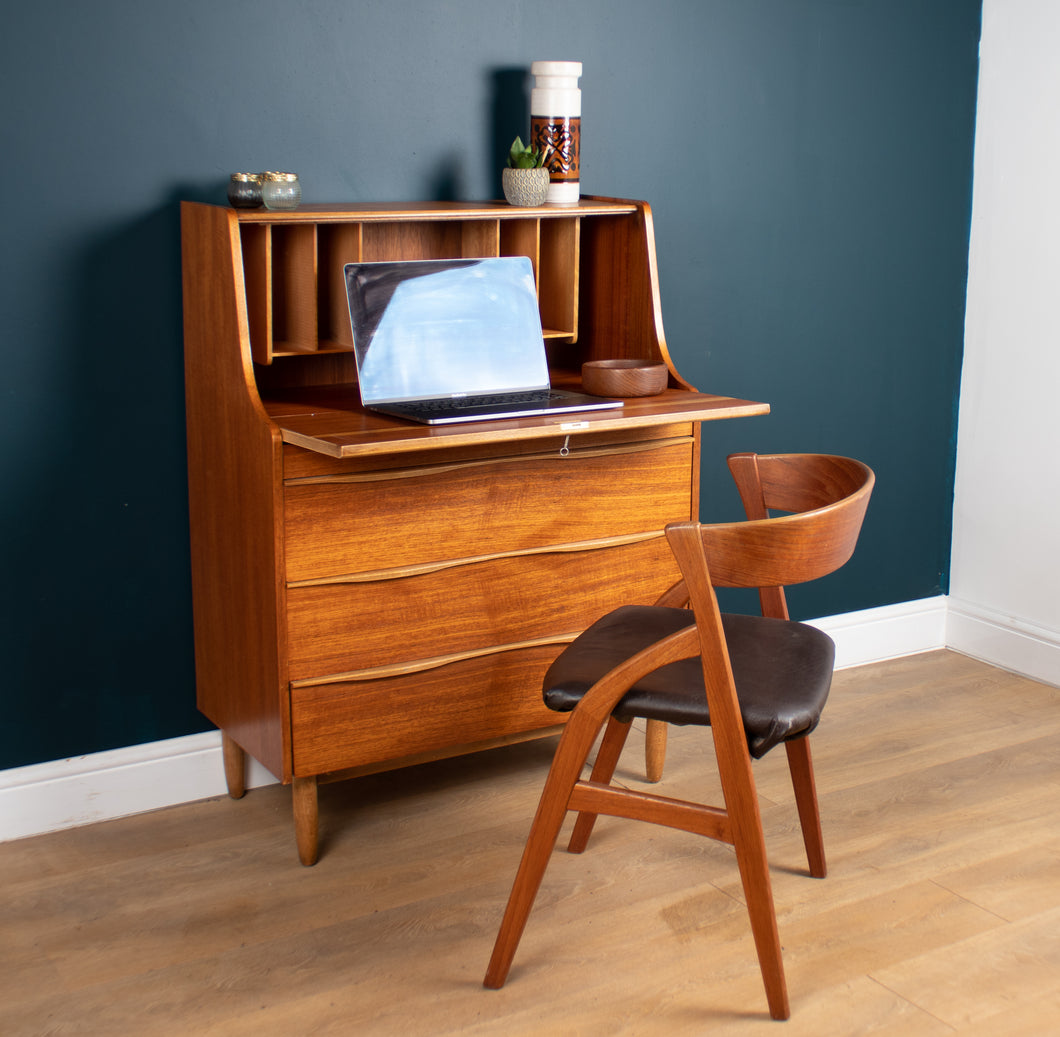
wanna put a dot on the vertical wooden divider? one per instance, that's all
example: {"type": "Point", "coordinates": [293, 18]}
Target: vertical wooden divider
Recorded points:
{"type": "Point", "coordinates": [294, 289]}
{"type": "Point", "coordinates": [523, 238]}
{"type": "Point", "coordinates": [256, 242]}
{"type": "Point", "coordinates": [558, 279]}
{"type": "Point", "coordinates": [337, 245]}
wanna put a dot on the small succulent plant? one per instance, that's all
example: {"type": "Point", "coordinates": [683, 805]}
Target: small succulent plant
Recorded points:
{"type": "Point", "coordinates": [521, 156]}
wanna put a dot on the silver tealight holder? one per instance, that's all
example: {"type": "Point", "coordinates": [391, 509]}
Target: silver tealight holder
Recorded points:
{"type": "Point", "coordinates": [281, 190]}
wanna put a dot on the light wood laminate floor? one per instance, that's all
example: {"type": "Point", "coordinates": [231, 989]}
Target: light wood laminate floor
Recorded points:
{"type": "Point", "coordinates": [939, 780]}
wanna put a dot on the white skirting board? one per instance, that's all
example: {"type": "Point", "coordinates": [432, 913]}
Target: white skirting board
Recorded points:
{"type": "Point", "coordinates": [47, 797]}
{"type": "Point", "coordinates": [888, 632]}
{"type": "Point", "coordinates": [1003, 641]}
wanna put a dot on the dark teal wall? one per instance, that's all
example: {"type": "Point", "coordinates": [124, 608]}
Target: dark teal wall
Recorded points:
{"type": "Point", "coordinates": [809, 167]}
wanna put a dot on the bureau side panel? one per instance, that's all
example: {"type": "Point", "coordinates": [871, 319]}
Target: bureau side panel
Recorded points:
{"type": "Point", "coordinates": [234, 481]}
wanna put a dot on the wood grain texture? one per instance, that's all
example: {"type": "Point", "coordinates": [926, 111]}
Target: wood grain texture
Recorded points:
{"type": "Point", "coordinates": [836, 493]}
{"type": "Point", "coordinates": [340, 725]}
{"type": "Point", "coordinates": [939, 782]}
{"type": "Point", "coordinates": [339, 527]}
{"type": "Point", "coordinates": [503, 601]}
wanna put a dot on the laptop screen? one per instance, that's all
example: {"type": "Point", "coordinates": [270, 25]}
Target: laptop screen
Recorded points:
{"type": "Point", "coordinates": [438, 329]}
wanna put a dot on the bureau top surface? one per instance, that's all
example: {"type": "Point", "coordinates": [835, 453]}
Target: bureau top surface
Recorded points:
{"type": "Point", "coordinates": [324, 212]}
{"type": "Point", "coordinates": [332, 421]}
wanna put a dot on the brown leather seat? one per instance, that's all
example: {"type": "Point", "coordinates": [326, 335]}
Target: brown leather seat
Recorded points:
{"type": "Point", "coordinates": [782, 671]}
{"type": "Point", "coordinates": [757, 681]}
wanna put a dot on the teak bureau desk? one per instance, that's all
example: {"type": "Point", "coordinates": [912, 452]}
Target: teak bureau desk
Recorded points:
{"type": "Point", "coordinates": [370, 593]}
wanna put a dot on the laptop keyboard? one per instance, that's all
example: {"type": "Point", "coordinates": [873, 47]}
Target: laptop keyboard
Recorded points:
{"type": "Point", "coordinates": [467, 402]}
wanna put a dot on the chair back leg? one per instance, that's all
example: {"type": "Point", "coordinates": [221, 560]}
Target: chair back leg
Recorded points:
{"type": "Point", "coordinates": [607, 756]}
{"type": "Point", "coordinates": [655, 750]}
{"type": "Point", "coordinates": [800, 763]}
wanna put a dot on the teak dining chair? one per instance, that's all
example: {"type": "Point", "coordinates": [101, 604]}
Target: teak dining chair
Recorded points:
{"type": "Point", "coordinates": [756, 681]}
{"type": "Point", "coordinates": [777, 482]}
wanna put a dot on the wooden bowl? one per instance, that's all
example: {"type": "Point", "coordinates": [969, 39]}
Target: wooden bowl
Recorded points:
{"type": "Point", "coordinates": [624, 378]}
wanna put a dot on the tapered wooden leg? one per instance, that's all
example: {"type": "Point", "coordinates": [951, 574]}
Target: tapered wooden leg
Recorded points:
{"type": "Point", "coordinates": [575, 744]}
{"type": "Point", "coordinates": [745, 819]}
{"type": "Point", "coordinates": [655, 750]}
{"type": "Point", "coordinates": [603, 771]}
{"type": "Point", "coordinates": [306, 818]}
{"type": "Point", "coordinates": [235, 766]}
{"type": "Point", "coordinates": [758, 892]}
{"type": "Point", "coordinates": [800, 763]}
{"type": "Point", "coordinates": [741, 803]}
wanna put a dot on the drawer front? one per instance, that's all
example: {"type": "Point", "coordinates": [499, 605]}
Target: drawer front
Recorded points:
{"type": "Point", "coordinates": [299, 463]}
{"type": "Point", "coordinates": [339, 726]}
{"type": "Point", "coordinates": [341, 627]}
{"type": "Point", "coordinates": [337, 525]}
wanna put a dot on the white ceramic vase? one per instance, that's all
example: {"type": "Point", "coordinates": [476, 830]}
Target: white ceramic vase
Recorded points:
{"type": "Point", "coordinates": [556, 124]}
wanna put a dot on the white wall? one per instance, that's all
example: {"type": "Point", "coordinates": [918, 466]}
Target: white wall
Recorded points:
{"type": "Point", "coordinates": [1005, 574]}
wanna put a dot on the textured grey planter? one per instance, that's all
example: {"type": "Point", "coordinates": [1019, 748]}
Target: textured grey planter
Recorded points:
{"type": "Point", "coordinates": [525, 186]}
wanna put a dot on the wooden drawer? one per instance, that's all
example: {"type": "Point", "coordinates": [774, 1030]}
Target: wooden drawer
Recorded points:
{"type": "Point", "coordinates": [351, 724]}
{"type": "Point", "coordinates": [299, 463]}
{"type": "Point", "coordinates": [357, 523]}
{"type": "Point", "coordinates": [341, 627]}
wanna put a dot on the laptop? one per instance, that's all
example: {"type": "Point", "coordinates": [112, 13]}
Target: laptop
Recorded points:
{"type": "Point", "coordinates": [440, 341]}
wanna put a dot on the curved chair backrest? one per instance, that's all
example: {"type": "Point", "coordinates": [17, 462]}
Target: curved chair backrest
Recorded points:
{"type": "Point", "coordinates": [826, 497]}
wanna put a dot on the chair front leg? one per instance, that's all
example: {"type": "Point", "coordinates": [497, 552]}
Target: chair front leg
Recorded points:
{"type": "Point", "coordinates": [579, 734]}
{"type": "Point", "coordinates": [741, 801]}
{"type": "Point", "coordinates": [574, 747]}
{"type": "Point", "coordinates": [758, 892]}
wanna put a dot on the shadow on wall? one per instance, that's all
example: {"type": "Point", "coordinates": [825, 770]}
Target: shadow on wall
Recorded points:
{"type": "Point", "coordinates": [509, 118]}
{"type": "Point", "coordinates": [101, 636]}
{"type": "Point", "coordinates": [445, 183]}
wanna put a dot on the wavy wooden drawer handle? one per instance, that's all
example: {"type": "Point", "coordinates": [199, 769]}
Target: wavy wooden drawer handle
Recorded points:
{"type": "Point", "coordinates": [438, 661]}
